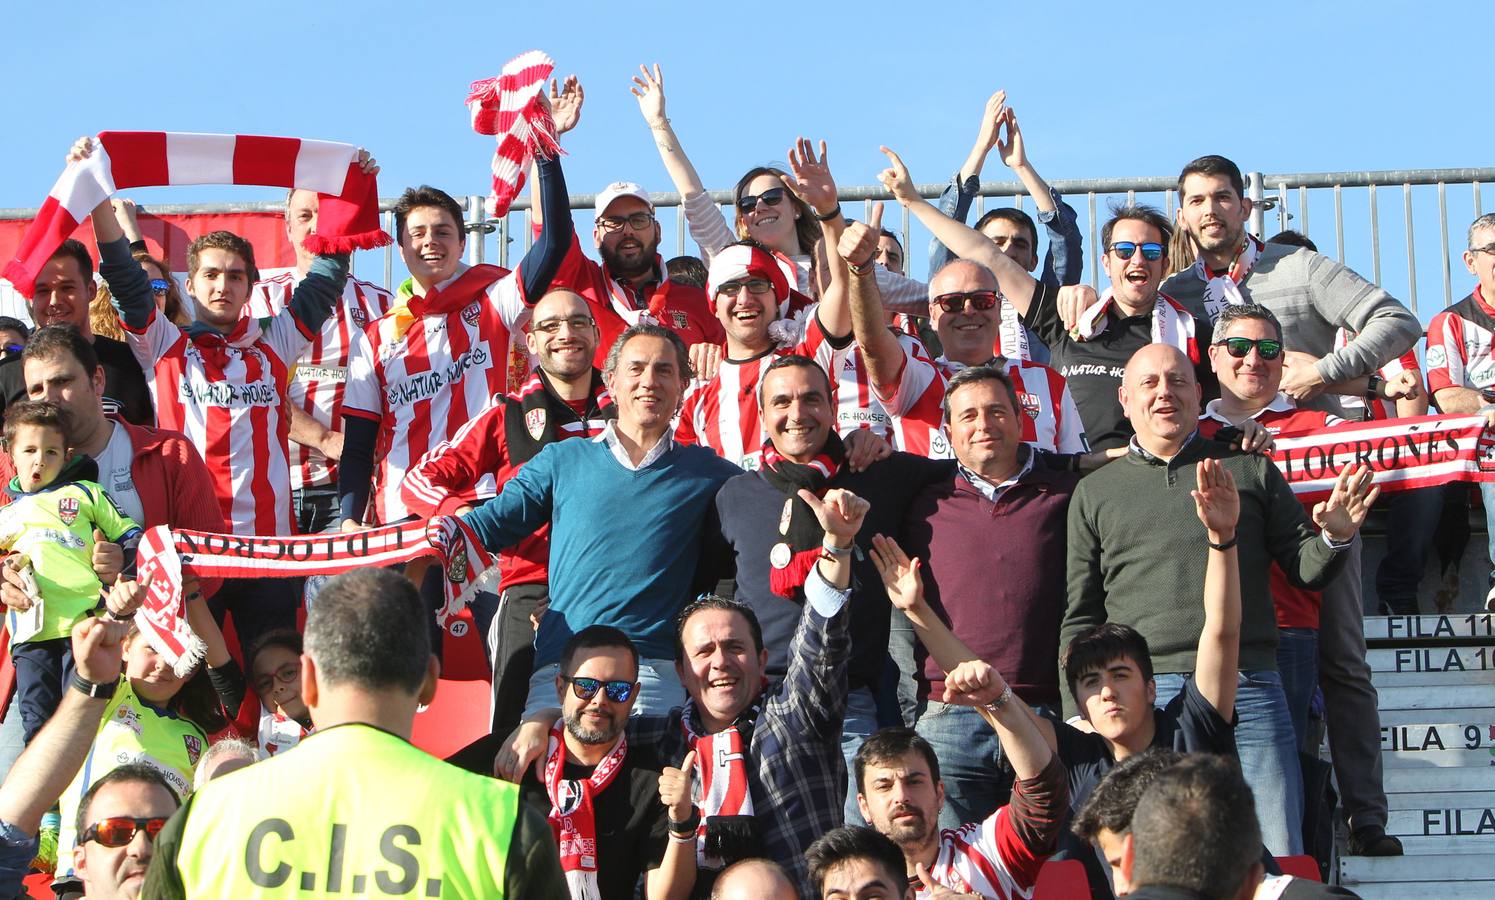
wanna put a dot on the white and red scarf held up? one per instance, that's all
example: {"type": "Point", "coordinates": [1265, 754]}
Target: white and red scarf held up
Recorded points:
{"type": "Point", "coordinates": [347, 214]}
{"type": "Point", "coordinates": [511, 107]}
{"type": "Point", "coordinates": [1221, 290]}
{"type": "Point", "coordinates": [573, 816]}
{"type": "Point", "coordinates": [1171, 323]}
{"type": "Point", "coordinates": [722, 773]}
{"type": "Point", "coordinates": [164, 553]}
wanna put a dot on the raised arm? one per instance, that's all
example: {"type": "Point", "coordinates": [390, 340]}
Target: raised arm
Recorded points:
{"type": "Point", "coordinates": [811, 180]}
{"type": "Point", "coordinates": [1065, 257]}
{"type": "Point", "coordinates": [857, 248]}
{"type": "Point", "coordinates": [1218, 663]}
{"type": "Point", "coordinates": [966, 242]}
{"type": "Point", "coordinates": [649, 89]}
{"type": "Point", "coordinates": [955, 202]}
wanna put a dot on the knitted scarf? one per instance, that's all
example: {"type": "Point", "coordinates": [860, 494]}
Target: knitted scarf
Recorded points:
{"type": "Point", "coordinates": [347, 211]}
{"type": "Point", "coordinates": [468, 287]}
{"type": "Point", "coordinates": [572, 816]}
{"type": "Point", "coordinates": [726, 833]}
{"type": "Point", "coordinates": [535, 415]}
{"type": "Point", "coordinates": [794, 556]}
{"type": "Point", "coordinates": [1222, 290]}
{"type": "Point", "coordinates": [1171, 324]}
{"type": "Point", "coordinates": [510, 106]}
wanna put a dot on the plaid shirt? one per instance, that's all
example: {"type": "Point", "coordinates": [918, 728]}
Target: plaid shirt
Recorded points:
{"type": "Point", "coordinates": [795, 769]}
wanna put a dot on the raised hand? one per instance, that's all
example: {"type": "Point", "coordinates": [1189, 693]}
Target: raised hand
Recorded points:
{"type": "Point", "coordinates": [82, 149]}
{"type": "Point", "coordinates": [1011, 145]}
{"type": "Point", "coordinates": [676, 787]}
{"type": "Point", "coordinates": [1344, 512]}
{"type": "Point", "coordinates": [124, 598]}
{"type": "Point", "coordinates": [565, 104]}
{"type": "Point", "coordinates": [367, 163]}
{"type": "Point", "coordinates": [858, 243]}
{"type": "Point", "coordinates": [933, 889]}
{"type": "Point", "coordinates": [810, 179]}
{"type": "Point", "coordinates": [1216, 501]}
{"type": "Point", "coordinates": [840, 514]}
{"type": "Point", "coordinates": [992, 116]}
{"type": "Point", "coordinates": [900, 574]}
{"type": "Point", "coordinates": [108, 558]}
{"type": "Point", "coordinates": [973, 683]}
{"type": "Point", "coordinates": [98, 649]}
{"type": "Point", "coordinates": [650, 93]}
{"type": "Point", "coordinates": [896, 179]}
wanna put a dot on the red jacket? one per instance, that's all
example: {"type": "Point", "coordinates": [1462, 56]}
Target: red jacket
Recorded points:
{"type": "Point", "coordinates": [173, 482]}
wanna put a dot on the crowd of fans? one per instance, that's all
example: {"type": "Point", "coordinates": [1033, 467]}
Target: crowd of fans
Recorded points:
{"type": "Point", "coordinates": [850, 585]}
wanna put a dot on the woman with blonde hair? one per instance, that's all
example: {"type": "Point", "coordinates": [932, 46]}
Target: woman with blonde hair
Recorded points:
{"type": "Point", "coordinates": [104, 319]}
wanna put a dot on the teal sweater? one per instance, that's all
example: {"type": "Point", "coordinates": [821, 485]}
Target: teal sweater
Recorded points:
{"type": "Point", "coordinates": [624, 545]}
{"type": "Point", "coordinates": [1137, 553]}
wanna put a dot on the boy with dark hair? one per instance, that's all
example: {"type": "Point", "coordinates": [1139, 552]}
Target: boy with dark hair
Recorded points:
{"type": "Point", "coordinates": [51, 524]}
{"type": "Point", "coordinates": [856, 862]}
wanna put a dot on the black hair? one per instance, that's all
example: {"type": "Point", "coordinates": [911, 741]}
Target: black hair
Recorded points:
{"type": "Point", "coordinates": [1214, 165]}
{"type": "Point", "coordinates": [1101, 645]}
{"type": "Point", "coordinates": [129, 773]}
{"type": "Point", "coordinates": [595, 637]}
{"type": "Point", "coordinates": [1138, 212]}
{"type": "Point", "coordinates": [1195, 828]}
{"type": "Point", "coordinates": [426, 196]}
{"type": "Point", "coordinates": [687, 270]}
{"type": "Point", "coordinates": [51, 341]}
{"type": "Point", "coordinates": [1015, 216]}
{"type": "Point", "coordinates": [1113, 801]}
{"type": "Point", "coordinates": [889, 744]}
{"type": "Point", "coordinates": [794, 361]}
{"type": "Point", "coordinates": [1234, 312]}
{"type": "Point", "coordinates": [714, 601]}
{"type": "Point", "coordinates": [1293, 238]}
{"type": "Point", "coordinates": [75, 249]}
{"type": "Point", "coordinates": [370, 628]}
{"type": "Point", "coordinates": [841, 845]}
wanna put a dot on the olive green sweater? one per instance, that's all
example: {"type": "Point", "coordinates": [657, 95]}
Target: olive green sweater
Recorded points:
{"type": "Point", "coordinates": [1137, 553]}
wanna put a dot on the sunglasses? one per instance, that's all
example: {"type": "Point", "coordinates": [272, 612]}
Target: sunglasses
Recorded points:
{"type": "Point", "coordinates": [285, 675]}
{"type": "Point", "coordinates": [119, 831]}
{"type": "Point", "coordinates": [748, 202]}
{"type": "Point", "coordinates": [1124, 250]}
{"type": "Point", "coordinates": [1239, 347]}
{"type": "Point", "coordinates": [575, 323]}
{"type": "Point", "coordinates": [956, 301]}
{"type": "Point", "coordinates": [638, 222]}
{"type": "Point", "coordinates": [753, 285]}
{"type": "Point", "coordinates": [587, 688]}
{"type": "Point", "coordinates": [160, 285]}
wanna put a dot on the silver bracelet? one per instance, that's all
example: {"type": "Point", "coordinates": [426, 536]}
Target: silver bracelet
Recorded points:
{"type": "Point", "coordinates": [1001, 702]}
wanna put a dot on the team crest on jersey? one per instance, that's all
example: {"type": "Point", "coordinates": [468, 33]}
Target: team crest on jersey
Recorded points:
{"type": "Point", "coordinates": [471, 312]}
{"type": "Point", "coordinates": [360, 318]}
{"type": "Point", "coordinates": [681, 321]}
{"type": "Point", "coordinates": [1484, 451]}
{"type": "Point", "coordinates": [67, 509]}
{"type": "Point", "coordinates": [534, 422]}
{"type": "Point", "coordinates": [1031, 403]}
{"type": "Point", "coordinates": [194, 747]}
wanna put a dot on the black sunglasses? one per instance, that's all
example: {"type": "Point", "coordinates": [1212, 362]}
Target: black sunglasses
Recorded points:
{"type": "Point", "coordinates": [118, 831]}
{"type": "Point", "coordinates": [586, 689]}
{"type": "Point", "coordinates": [1239, 347]}
{"type": "Point", "coordinates": [748, 202]}
{"type": "Point", "coordinates": [955, 301]}
{"type": "Point", "coordinates": [1125, 249]}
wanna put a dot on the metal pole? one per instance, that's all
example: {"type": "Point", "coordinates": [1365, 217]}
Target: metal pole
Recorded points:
{"type": "Point", "coordinates": [474, 230]}
{"type": "Point", "coordinates": [680, 230]}
{"type": "Point", "coordinates": [1168, 204]}
{"type": "Point", "coordinates": [1254, 191]}
{"type": "Point", "coordinates": [1375, 237]}
{"type": "Point", "coordinates": [1478, 211]}
{"type": "Point", "coordinates": [1339, 223]}
{"type": "Point", "coordinates": [1443, 235]}
{"type": "Point", "coordinates": [1411, 247]}
{"type": "Point", "coordinates": [503, 241]}
{"type": "Point", "coordinates": [1303, 208]}
{"type": "Point", "coordinates": [389, 252]}
{"type": "Point", "coordinates": [1282, 214]}
{"type": "Point", "coordinates": [1094, 254]}
{"type": "Point", "coordinates": [906, 258]}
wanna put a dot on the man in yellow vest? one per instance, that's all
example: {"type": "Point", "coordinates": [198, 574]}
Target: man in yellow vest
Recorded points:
{"type": "Point", "coordinates": [354, 809]}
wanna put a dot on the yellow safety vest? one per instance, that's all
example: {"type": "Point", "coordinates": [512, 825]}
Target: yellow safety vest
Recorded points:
{"type": "Point", "coordinates": [350, 811]}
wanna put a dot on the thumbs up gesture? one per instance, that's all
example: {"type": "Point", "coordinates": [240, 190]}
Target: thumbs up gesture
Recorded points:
{"type": "Point", "coordinates": [676, 787]}
{"type": "Point", "coordinates": [108, 558]}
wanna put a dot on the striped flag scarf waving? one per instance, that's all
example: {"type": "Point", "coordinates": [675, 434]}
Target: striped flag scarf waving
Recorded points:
{"type": "Point", "coordinates": [347, 215]}
{"type": "Point", "coordinates": [511, 107]}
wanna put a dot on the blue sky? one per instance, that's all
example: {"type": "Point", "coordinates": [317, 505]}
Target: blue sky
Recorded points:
{"type": "Point", "coordinates": [1103, 90]}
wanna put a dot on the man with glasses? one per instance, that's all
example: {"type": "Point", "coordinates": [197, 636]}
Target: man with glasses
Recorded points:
{"type": "Point", "coordinates": [603, 792]}
{"type": "Point", "coordinates": [1131, 314]}
{"type": "Point", "coordinates": [631, 284]}
{"type": "Point", "coordinates": [1149, 576]}
{"type": "Point", "coordinates": [1461, 352]}
{"type": "Point", "coordinates": [564, 398]}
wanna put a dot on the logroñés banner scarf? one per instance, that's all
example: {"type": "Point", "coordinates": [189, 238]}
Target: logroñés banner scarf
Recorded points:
{"type": "Point", "coordinates": [1402, 453]}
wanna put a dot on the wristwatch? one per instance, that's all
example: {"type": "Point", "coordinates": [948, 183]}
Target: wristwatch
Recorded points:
{"type": "Point", "coordinates": [1373, 386]}
{"type": "Point", "coordinates": [99, 690]}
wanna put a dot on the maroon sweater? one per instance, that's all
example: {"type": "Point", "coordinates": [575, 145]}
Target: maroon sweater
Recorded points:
{"type": "Point", "coordinates": [994, 572]}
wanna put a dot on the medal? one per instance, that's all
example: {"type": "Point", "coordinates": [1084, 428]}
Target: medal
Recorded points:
{"type": "Point", "coordinates": [781, 555]}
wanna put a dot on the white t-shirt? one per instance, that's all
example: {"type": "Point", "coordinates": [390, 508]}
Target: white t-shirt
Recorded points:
{"type": "Point", "coordinates": [114, 474]}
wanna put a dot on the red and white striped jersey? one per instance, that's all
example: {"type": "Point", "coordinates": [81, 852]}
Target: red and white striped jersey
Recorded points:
{"type": "Point", "coordinates": [857, 403]}
{"type": "Point", "coordinates": [227, 394]}
{"type": "Point", "coordinates": [987, 858]}
{"type": "Point", "coordinates": [319, 376]}
{"type": "Point", "coordinates": [423, 377]}
{"type": "Point", "coordinates": [1381, 409]}
{"type": "Point", "coordinates": [1052, 422]}
{"type": "Point", "coordinates": [1461, 346]}
{"type": "Point", "coordinates": [723, 413]}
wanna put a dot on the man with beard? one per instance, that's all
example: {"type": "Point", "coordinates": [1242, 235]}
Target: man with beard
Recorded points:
{"type": "Point", "coordinates": [603, 793]}
{"type": "Point", "coordinates": [564, 398]}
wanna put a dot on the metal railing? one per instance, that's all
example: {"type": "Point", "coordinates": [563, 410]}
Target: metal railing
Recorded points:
{"type": "Point", "coordinates": [1287, 197]}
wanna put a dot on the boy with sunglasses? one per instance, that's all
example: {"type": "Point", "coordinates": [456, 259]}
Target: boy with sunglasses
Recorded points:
{"type": "Point", "coordinates": [603, 794]}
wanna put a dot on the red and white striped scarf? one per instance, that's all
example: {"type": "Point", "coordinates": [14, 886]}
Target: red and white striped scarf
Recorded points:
{"type": "Point", "coordinates": [1171, 324]}
{"type": "Point", "coordinates": [1223, 290]}
{"type": "Point", "coordinates": [163, 553]}
{"type": "Point", "coordinates": [510, 106]}
{"type": "Point", "coordinates": [721, 772]}
{"type": "Point", "coordinates": [572, 816]}
{"type": "Point", "coordinates": [347, 212]}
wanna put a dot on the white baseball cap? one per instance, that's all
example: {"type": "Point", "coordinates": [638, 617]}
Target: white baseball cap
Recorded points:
{"type": "Point", "coordinates": [618, 189]}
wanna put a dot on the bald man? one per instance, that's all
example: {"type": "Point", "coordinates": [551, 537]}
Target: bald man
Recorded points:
{"type": "Point", "coordinates": [1137, 556]}
{"type": "Point", "coordinates": [753, 879]}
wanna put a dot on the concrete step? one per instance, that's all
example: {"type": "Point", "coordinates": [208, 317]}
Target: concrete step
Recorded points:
{"type": "Point", "coordinates": [1431, 666]}
{"type": "Point", "coordinates": [1415, 629]}
{"type": "Point", "coordinates": [1451, 736]}
{"type": "Point", "coordinates": [1438, 868]}
{"type": "Point", "coordinates": [1400, 890]}
{"type": "Point", "coordinates": [1456, 824]}
{"type": "Point", "coordinates": [1440, 781]}
{"type": "Point", "coordinates": [1476, 714]}
{"type": "Point", "coordinates": [1440, 799]}
{"type": "Point", "coordinates": [1448, 759]}
{"type": "Point", "coordinates": [1454, 697]}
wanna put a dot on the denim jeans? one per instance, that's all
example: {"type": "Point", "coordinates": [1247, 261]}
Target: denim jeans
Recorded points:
{"type": "Point", "coordinates": [861, 722]}
{"type": "Point", "coordinates": [1269, 755]}
{"type": "Point", "coordinates": [316, 508]}
{"type": "Point", "coordinates": [970, 762]}
{"type": "Point", "coordinates": [659, 688]}
{"type": "Point", "coordinates": [1298, 662]}
{"type": "Point", "coordinates": [1411, 523]}
{"type": "Point", "coordinates": [1487, 493]}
